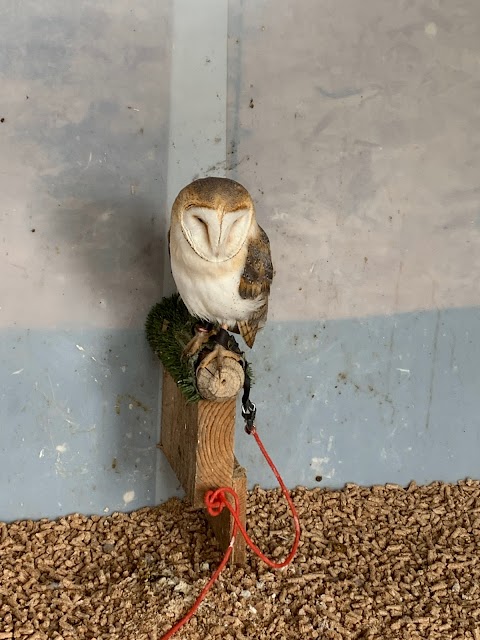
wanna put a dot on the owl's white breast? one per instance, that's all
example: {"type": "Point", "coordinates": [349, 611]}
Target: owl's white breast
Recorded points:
{"type": "Point", "coordinates": [210, 289]}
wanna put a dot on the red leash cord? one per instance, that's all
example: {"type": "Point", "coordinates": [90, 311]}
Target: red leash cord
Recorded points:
{"type": "Point", "coordinates": [215, 501]}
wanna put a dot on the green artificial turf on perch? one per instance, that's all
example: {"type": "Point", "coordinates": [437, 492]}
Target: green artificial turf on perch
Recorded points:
{"type": "Point", "coordinates": [169, 327]}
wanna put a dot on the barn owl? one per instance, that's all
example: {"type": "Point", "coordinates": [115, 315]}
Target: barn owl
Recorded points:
{"type": "Point", "coordinates": [220, 259]}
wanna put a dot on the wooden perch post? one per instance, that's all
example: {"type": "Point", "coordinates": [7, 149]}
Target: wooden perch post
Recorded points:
{"type": "Point", "coordinates": [198, 441]}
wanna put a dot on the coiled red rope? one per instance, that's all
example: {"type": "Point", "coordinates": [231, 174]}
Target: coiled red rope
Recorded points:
{"type": "Point", "coordinates": [216, 501]}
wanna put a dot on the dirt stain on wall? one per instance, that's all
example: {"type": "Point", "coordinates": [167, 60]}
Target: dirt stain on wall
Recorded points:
{"type": "Point", "coordinates": [132, 402]}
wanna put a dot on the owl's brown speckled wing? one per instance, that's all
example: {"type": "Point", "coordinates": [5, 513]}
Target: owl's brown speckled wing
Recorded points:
{"type": "Point", "coordinates": [255, 281]}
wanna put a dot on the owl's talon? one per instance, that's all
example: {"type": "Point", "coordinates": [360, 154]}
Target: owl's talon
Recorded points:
{"type": "Point", "coordinates": [218, 353]}
{"type": "Point", "coordinates": [201, 337]}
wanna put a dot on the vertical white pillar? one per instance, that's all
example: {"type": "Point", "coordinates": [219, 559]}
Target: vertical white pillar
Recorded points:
{"type": "Point", "coordinates": [198, 112]}
{"type": "Point", "coordinates": [198, 97]}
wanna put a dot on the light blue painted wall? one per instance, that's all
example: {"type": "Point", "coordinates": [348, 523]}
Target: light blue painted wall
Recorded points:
{"type": "Point", "coordinates": [79, 422]}
{"type": "Point", "coordinates": [374, 400]}
{"type": "Point", "coordinates": [362, 153]}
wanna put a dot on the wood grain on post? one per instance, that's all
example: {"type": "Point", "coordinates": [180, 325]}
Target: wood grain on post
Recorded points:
{"type": "Point", "coordinates": [198, 441]}
{"type": "Point", "coordinates": [222, 385]}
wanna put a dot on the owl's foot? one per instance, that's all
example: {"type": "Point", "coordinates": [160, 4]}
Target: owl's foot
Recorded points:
{"type": "Point", "coordinates": [201, 337]}
{"type": "Point", "coordinates": [218, 353]}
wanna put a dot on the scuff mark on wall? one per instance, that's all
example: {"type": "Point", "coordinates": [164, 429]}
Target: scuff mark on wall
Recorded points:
{"type": "Point", "coordinates": [128, 496]}
{"type": "Point", "coordinates": [134, 403]}
{"type": "Point", "coordinates": [59, 464]}
{"type": "Point", "coordinates": [319, 465]}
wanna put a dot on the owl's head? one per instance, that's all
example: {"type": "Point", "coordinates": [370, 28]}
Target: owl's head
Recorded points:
{"type": "Point", "coordinates": [215, 216]}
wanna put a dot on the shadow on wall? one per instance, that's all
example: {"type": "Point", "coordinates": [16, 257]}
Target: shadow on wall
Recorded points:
{"type": "Point", "coordinates": [82, 399]}
{"type": "Point", "coordinates": [117, 251]}
{"type": "Point", "coordinates": [110, 221]}
{"type": "Point", "coordinates": [110, 213]}
{"type": "Point", "coordinates": [99, 428]}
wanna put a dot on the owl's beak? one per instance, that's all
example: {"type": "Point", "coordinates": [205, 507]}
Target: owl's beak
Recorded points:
{"type": "Point", "coordinates": [220, 232]}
